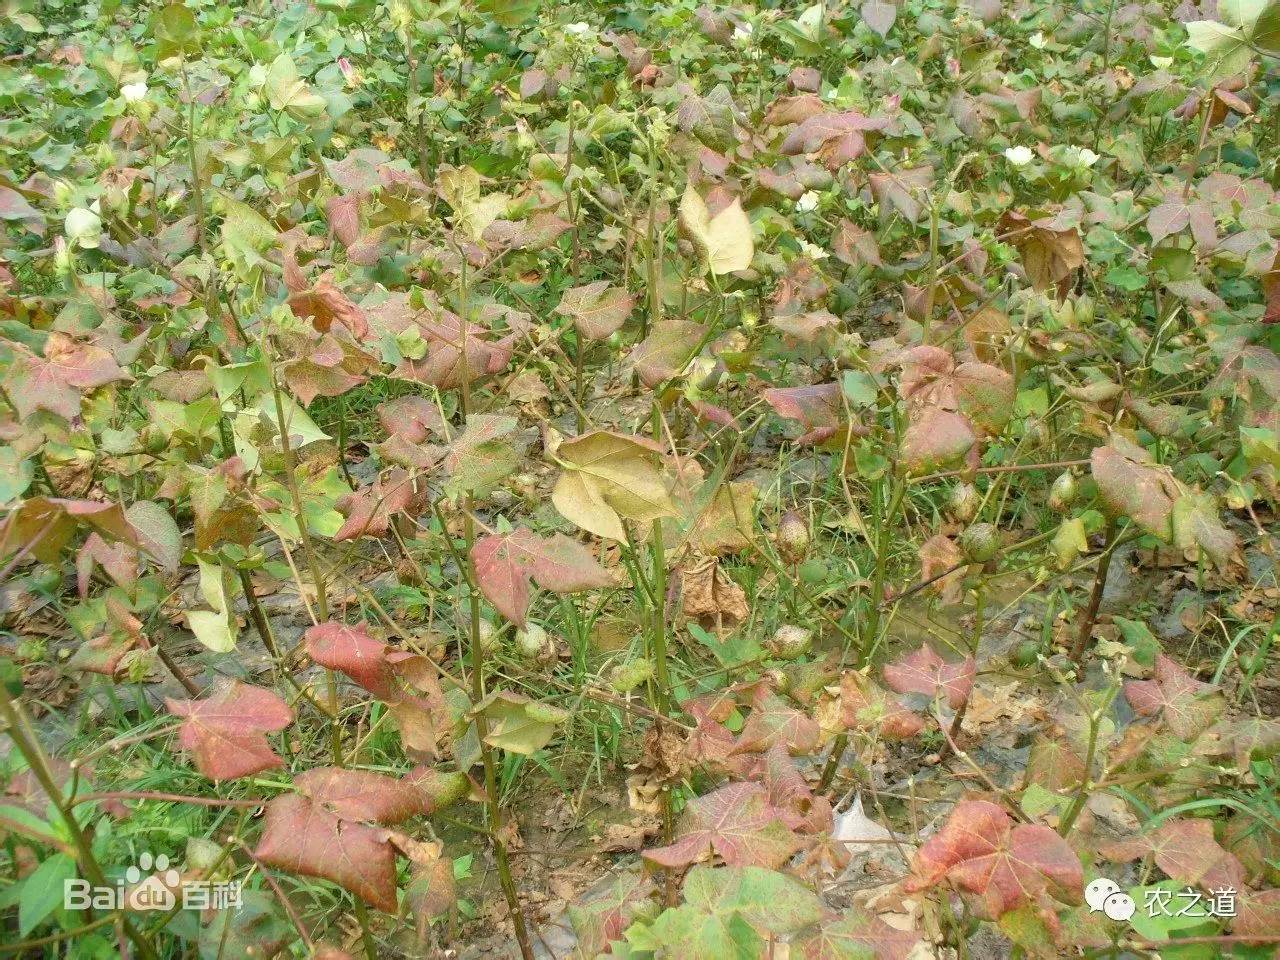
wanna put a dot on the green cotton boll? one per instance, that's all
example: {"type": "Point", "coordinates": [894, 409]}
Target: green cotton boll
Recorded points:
{"type": "Point", "coordinates": [627, 676]}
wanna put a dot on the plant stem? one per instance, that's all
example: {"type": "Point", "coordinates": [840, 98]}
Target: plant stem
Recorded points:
{"type": "Point", "coordinates": [258, 616]}
{"type": "Point", "coordinates": [1082, 795]}
{"type": "Point", "coordinates": [308, 549]}
{"type": "Point", "coordinates": [871, 630]}
{"type": "Point", "coordinates": [980, 596]}
{"type": "Point", "coordinates": [1095, 598]}
{"type": "Point", "coordinates": [366, 933]}
{"type": "Point", "coordinates": [20, 733]}
{"type": "Point", "coordinates": [492, 802]}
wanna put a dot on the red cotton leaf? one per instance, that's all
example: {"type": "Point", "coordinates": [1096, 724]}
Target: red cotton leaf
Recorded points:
{"type": "Point", "coordinates": [55, 381]}
{"type": "Point", "coordinates": [225, 732]}
{"type": "Point", "coordinates": [1186, 851]}
{"type": "Point", "coordinates": [1006, 866]}
{"type": "Point", "coordinates": [504, 564]}
{"type": "Point", "coordinates": [408, 684]}
{"type": "Point", "coordinates": [1187, 706]}
{"type": "Point", "coordinates": [735, 822]}
{"type": "Point", "coordinates": [774, 722]}
{"type": "Point", "coordinates": [46, 524]}
{"type": "Point", "coordinates": [935, 438]}
{"type": "Point", "coordinates": [597, 309]}
{"type": "Point", "coordinates": [370, 509]}
{"type": "Point", "coordinates": [361, 795]}
{"type": "Point", "coordinates": [925, 672]}
{"type": "Point", "coordinates": [413, 418]}
{"type": "Point", "coordinates": [324, 305]}
{"type": "Point", "coordinates": [856, 935]}
{"type": "Point", "coordinates": [937, 555]}
{"type": "Point", "coordinates": [350, 649]}
{"type": "Point", "coordinates": [1132, 484]}
{"type": "Point", "coordinates": [317, 832]}
{"type": "Point", "coordinates": [983, 393]}
{"type": "Point", "coordinates": [863, 705]}
{"type": "Point", "coordinates": [819, 409]}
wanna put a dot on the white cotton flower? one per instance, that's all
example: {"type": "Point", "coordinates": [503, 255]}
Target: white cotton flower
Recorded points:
{"type": "Point", "coordinates": [808, 202]}
{"type": "Point", "coordinates": [83, 227]}
{"type": "Point", "coordinates": [813, 251]}
{"type": "Point", "coordinates": [579, 29]}
{"type": "Point", "coordinates": [1160, 63]}
{"type": "Point", "coordinates": [1087, 157]}
{"type": "Point", "coordinates": [742, 32]}
{"type": "Point", "coordinates": [133, 92]}
{"type": "Point", "coordinates": [1038, 40]}
{"type": "Point", "coordinates": [1019, 156]}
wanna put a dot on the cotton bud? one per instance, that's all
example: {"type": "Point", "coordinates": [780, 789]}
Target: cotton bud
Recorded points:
{"type": "Point", "coordinates": [532, 642]}
{"type": "Point", "coordinates": [1063, 492]}
{"type": "Point", "coordinates": [980, 542]}
{"type": "Point", "coordinates": [789, 642]}
{"type": "Point", "coordinates": [963, 504]}
{"type": "Point", "coordinates": [793, 537]}
{"type": "Point", "coordinates": [488, 634]}
{"type": "Point", "coordinates": [703, 373]}
{"type": "Point", "coordinates": [1064, 314]}
{"type": "Point", "coordinates": [1084, 310]}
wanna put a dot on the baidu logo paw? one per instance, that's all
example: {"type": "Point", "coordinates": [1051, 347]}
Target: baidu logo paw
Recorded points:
{"type": "Point", "coordinates": [156, 891]}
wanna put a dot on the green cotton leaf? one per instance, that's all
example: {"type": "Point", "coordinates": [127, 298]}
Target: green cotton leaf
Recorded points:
{"type": "Point", "coordinates": [288, 92]}
{"type": "Point", "coordinates": [302, 429]}
{"type": "Point", "coordinates": [517, 723]}
{"type": "Point", "coordinates": [727, 912]}
{"type": "Point", "coordinates": [472, 211]}
{"type": "Point", "coordinates": [175, 31]}
{"type": "Point", "coordinates": [1036, 801]}
{"type": "Point", "coordinates": [16, 474]}
{"type": "Point", "coordinates": [246, 237]}
{"type": "Point", "coordinates": [42, 891]}
{"type": "Point", "coordinates": [1260, 446]}
{"type": "Point", "coordinates": [482, 456]}
{"type": "Point", "coordinates": [1197, 527]}
{"type": "Point", "coordinates": [158, 533]}
{"type": "Point", "coordinates": [1126, 278]}
{"type": "Point", "coordinates": [1161, 924]}
{"type": "Point", "coordinates": [1027, 928]}
{"type": "Point", "coordinates": [1229, 45]}
{"type": "Point", "coordinates": [251, 377]}
{"type": "Point", "coordinates": [859, 388]}
{"type": "Point", "coordinates": [693, 934]}
{"type": "Point", "coordinates": [510, 13]}
{"type": "Point", "coordinates": [1140, 640]}
{"type": "Point", "coordinates": [215, 628]}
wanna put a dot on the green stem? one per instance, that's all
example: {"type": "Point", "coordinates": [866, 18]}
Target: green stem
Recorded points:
{"type": "Point", "coordinates": [492, 802]}
{"type": "Point", "coordinates": [308, 549]}
{"type": "Point", "coordinates": [366, 933]}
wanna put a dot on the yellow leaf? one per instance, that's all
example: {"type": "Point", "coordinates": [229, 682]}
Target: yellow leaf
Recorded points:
{"type": "Point", "coordinates": [609, 477]}
{"type": "Point", "coordinates": [725, 239]}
